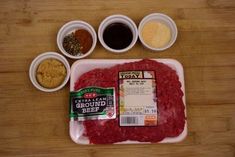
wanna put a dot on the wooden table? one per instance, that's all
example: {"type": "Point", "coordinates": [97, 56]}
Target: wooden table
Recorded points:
{"type": "Point", "coordinates": [34, 123]}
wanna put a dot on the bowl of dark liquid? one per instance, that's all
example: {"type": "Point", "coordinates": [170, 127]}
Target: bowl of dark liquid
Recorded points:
{"type": "Point", "coordinates": [117, 33]}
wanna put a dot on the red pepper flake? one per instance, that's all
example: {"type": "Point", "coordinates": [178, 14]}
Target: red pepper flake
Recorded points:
{"type": "Point", "coordinates": [85, 40]}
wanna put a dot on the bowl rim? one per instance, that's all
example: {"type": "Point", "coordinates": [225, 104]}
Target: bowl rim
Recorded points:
{"type": "Point", "coordinates": [39, 59]}
{"type": "Point", "coordinates": [134, 29]}
{"type": "Point", "coordinates": [165, 17]}
{"type": "Point", "coordinates": [76, 22]}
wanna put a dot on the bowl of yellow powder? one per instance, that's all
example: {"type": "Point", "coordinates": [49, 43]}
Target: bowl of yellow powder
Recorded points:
{"type": "Point", "coordinates": [157, 31]}
{"type": "Point", "coordinates": [49, 72]}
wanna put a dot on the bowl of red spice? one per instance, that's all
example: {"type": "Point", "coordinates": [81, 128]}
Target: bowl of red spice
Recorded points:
{"type": "Point", "coordinates": [76, 39]}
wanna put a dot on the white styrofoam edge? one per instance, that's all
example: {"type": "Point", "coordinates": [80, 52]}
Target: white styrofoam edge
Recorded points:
{"type": "Point", "coordinates": [159, 17]}
{"type": "Point", "coordinates": [38, 60]}
{"type": "Point", "coordinates": [170, 62]}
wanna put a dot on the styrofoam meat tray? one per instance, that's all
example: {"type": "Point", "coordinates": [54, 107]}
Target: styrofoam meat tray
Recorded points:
{"type": "Point", "coordinates": [82, 66]}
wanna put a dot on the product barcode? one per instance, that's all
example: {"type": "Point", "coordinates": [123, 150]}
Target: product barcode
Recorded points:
{"type": "Point", "coordinates": [129, 120]}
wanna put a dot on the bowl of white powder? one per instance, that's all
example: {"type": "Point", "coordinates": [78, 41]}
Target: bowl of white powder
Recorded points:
{"type": "Point", "coordinates": [157, 31]}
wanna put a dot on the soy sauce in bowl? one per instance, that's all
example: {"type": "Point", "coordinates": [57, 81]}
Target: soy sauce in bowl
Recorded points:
{"type": "Point", "coordinates": [117, 36]}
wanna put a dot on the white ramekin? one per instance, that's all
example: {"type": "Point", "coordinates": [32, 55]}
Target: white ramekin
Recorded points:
{"type": "Point", "coordinates": [160, 18]}
{"type": "Point", "coordinates": [38, 60]}
{"type": "Point", "coordinates": [117, 19]}
{"type": "Point", "coordinates": [70, 27]}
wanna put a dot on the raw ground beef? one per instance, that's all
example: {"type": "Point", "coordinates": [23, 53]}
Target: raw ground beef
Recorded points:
{"type": "Point", "coordinates": [171, 116]}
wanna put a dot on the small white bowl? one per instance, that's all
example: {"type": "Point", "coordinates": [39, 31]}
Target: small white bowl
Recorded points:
{"type": "Point", "coordinates": [38, 60]}
{"type": "Point", "coordinates": [163, 19]}
{"type": "Point", "coordinates": [70, 27]}
{"type": "Point", "coordinates": [117, 19]}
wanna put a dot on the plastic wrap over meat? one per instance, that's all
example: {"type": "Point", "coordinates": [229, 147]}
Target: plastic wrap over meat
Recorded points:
{"type": "Point", "coordinates": [171, 109]}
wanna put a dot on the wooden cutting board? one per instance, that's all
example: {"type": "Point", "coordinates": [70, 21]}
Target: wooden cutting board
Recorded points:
{"type": "Point", "coordinates": [33, 123]}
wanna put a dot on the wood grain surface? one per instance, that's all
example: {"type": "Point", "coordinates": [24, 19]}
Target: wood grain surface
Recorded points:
{"type": "Point", "coordinates": [34, 123]}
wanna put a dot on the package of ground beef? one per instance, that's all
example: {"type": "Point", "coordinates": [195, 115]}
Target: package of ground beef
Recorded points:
{"type": "Point", "coordinates": [127, 101]}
